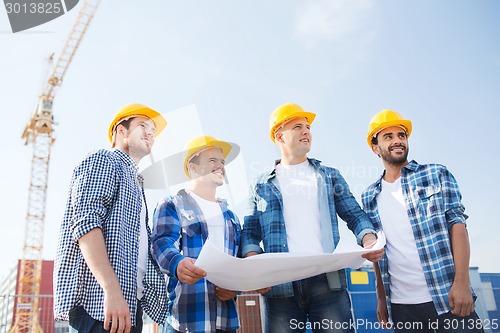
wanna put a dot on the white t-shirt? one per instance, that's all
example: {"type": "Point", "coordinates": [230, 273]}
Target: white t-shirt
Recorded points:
{"type": "Point", "coordinates": [214, 218]}
{"type": "Point", "coordinates": [408, 284]}
{"type": "Point", "coordinates": [142, 261]}
{"type": "Point", "coordinates": [299, 188]}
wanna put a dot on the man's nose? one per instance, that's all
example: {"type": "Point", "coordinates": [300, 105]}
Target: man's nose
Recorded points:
{"type": "Point", "coordinates": [150, 132]}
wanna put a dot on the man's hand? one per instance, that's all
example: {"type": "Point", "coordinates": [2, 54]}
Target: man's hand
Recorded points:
{"type": "Point", "coordinates": [383, 314]}
{"type": "Point", "coordinates": [460, 298]}
{"type": "Point", "coordinates": [188, 273]}
{"type": "Point", "coordinates": [225, 294]}
{"type": "Point", "coordinates": [261, 291]}
{"type": "Point", "coordinates": [369, 241]}
{"type": "Point", "coordinates": [116, 312]}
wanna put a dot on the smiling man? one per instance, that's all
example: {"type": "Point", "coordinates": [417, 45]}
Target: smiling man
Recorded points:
{"type": "Point", "coordinates": [182, 224]}
{"type": "Point", "coordinates": [424, 275]}
{"type": "Point", "coordinates": [294, 208]}
{"type": "Point", "coordinates": [104, 275]}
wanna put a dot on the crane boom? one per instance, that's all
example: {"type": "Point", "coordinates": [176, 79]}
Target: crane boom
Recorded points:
{"type": "Point", "coordinates": [39, 133]}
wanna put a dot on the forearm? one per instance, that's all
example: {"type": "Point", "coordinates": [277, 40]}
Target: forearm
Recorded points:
{"type": "Point", "coordinates": [379, 284]}
{"type": "Point", "coordinates": [167, 256]}
{"type": "Point", "coordinates": [165, 238]}
{"type": "Point", "coordinates": [461, 252]}
{"type": "Point", "coordinates": [350, 211]}
{"type": "Point", "coordinates": [251, 236]}
{"type": "Point", "coordinates": [96, 257]}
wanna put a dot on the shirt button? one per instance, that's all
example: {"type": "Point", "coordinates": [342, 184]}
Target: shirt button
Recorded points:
{"type": "Point", "coordinates": [284, 245]}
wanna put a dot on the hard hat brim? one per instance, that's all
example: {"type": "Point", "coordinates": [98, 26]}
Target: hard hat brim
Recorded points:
{"type": "Point", "coordinates": [400, 122]}
{"type": "Point", "coordinates": [224, 146]}
{"type": "Point", "coordinates": [170, 172]}
{"type": "Point", "coordinates": [308, 115]}
{"type": "Point", "coordinates": [155, 116]}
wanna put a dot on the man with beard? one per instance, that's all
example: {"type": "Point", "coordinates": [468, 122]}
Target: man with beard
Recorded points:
{"type": "Point", "coordinates": [181, 225]}
{"type": "Point", "coordinates": [424, 275]}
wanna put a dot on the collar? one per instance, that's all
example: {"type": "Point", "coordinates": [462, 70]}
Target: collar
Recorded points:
{"type": "Point", "coordinates": [314, 162]}
{"type": "Point", "coordinates": [412, 166]}
{"type": "Point", "coordinates": [185, 194]}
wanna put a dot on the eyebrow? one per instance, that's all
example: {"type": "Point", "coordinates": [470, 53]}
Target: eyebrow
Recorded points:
{"type": "Point", "coordinates": [397, 133]}
{"type": "Point", "coordinates": [146, 122]}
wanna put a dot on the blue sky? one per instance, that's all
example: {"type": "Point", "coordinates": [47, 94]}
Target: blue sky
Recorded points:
{"type": "Point", "coordinates": [436, 62]}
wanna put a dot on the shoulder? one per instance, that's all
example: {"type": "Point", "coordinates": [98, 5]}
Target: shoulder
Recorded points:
{"type": "Point", "coordinates": [168, 201]}
{"type": "Point", "coordinates": [328, 170]}
{"type": "Point", "coordinates": [181, 200]}
{"type": "Point", "coordinates": [100, 156]}
{"type": "Point", "coordinates": [97, 160]}
{"type": "Point", "coordinates": [165, 207]}
{"type": "Point", "coordinates": [429, 168]}
{"type": "Point", "coordinates": [263, 177]}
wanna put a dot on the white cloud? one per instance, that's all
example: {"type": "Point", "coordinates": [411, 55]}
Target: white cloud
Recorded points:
{"type": "Point", "coordinates": [332, 20]}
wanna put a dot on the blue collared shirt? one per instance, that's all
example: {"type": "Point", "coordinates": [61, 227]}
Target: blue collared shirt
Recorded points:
{"type": "Point", "coordinates": [179, 231]}
{"type": "Point", "coordinates": [433, 203]}
{"type": "Point", "coordinates": [265, 220]}
{"type": "Point", "coordinates": [105, 193]}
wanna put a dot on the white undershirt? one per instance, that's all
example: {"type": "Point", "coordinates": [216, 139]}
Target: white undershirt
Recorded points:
{"type": "Point", "coordinates": [408, 284]}
{"type": "Point", "coordinates": [142, 261]}
{"type": "Point", "coordinates": [299, 188]}
{"type": "Point", "coordinates": [214, 218]}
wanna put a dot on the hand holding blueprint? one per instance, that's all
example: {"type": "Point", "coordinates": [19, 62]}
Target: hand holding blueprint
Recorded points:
{"type": "Point", "coordinates": [270, 269]}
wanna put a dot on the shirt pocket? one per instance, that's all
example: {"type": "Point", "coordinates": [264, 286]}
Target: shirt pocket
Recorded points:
{"type": "Point", "coordinates": [190, 224]}
{"type": "Point", "coordinates": [429, 197]}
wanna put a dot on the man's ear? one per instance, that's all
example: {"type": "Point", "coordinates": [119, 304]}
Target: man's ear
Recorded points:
{"type": "Point", "coordinates": [191, 168]}
{"type": "Point", "coordinates": [120, 129]}
{"type": "Point", "coordinates": [376, 149]}
{"type": "Point", "coordinates": [278, 137]}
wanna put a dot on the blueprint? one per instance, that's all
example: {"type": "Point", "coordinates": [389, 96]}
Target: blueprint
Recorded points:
{"type": "Point", "coordinates": [270, 269]}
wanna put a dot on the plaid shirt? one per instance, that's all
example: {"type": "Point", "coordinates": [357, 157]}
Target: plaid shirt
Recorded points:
{"type": "Point", "coordinates": [433, 203]}
{"type": "Point", "coordinates": [179, 231]}
{"type": "Point", "coordinates": [105, 193]}
{"type": "Point", "coordinates": [265, 221]}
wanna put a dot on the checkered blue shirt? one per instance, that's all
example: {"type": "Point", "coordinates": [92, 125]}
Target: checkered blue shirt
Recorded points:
{"type": "Point", "coordinates": [179, 231]}
{"type": "Point", "coordinates": [433, 203]}
{"type": "Point", "coordinates": [265, 220]}
{"type": "Point", "coordinates": [105, 193]}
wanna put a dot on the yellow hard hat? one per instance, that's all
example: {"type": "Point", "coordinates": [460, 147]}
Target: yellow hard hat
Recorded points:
{"type": "Point", "coordinates": [132, 110]}
{"type": "Point", "coordinates": [384, 119]}
{"type": "Point", "coordinates": [286, 112]}
{"type": "Point", "coordinates": [200, 143]}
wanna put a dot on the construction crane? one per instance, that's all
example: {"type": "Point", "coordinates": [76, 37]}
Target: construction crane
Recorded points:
{"type": "Point", "coordinates": [39, 132]}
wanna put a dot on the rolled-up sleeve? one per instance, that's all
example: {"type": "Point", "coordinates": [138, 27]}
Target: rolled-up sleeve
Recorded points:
{"type": "Point", "coordinates": [91, 194]}
{"type": "Point", "coordinates": [452, 198]}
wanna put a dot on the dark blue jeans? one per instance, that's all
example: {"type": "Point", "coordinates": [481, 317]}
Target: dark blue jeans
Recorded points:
{"type": "Point", "coordinates": [80, 321]}
{"type": "Point", "coordinates": [313, 301]}
{"type": "Point", "coordinates": [423, 317]}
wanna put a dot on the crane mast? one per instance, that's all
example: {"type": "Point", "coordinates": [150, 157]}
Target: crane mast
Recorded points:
{"type": "Point", "coordinates": [39, 132]}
